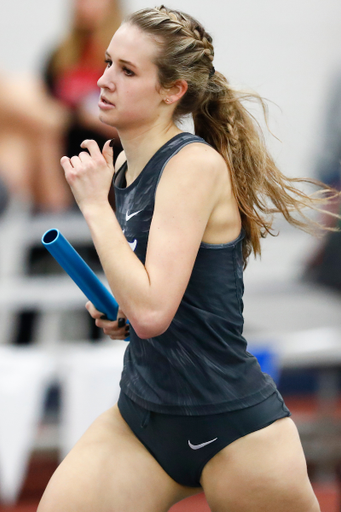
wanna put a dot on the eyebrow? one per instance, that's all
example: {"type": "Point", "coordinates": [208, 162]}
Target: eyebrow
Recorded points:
{"type": "Point", "coordinates": [122, 61]}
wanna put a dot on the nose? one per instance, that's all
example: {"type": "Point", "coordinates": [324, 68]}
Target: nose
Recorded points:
{"type": "Point", "coordinates": [105, 81]}
{"type": "Point", "coordinates": [101, 81]}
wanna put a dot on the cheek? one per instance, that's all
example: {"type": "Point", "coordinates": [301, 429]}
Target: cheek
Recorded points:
{"type": "Point", "coordinates": [146, 95]}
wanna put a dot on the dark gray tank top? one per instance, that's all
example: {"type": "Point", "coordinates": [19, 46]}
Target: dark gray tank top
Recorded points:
{"type": "Point", "coordinates": [200, 365]}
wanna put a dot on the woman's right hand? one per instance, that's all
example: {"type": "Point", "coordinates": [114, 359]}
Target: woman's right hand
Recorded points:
{"type": "Point", "coordinates": [116, 329]}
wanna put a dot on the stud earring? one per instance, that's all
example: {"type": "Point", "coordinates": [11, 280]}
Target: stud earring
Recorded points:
{"type": "Point", "coordinates": [167, 100]}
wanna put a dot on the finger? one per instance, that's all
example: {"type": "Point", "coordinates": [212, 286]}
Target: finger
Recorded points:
{"type": "Point", "coordinates": [121, 318]}
{"type": "Point", "coordinates": [117, 337]}
{"type": "Point", "coordinates": [112, 330]}
{"type": "Point", "coordinates": [92, 310]}
{"type": "Point", "coordinates": [108, 152]}
{"type": "Point", "coordinates": [84, 157]}
{"type": "Point", "coordinates": [75, 162]}
{"type": "Point", "coordinates": [88, 306]}
{"type": "Point", "coordinates": [92, 147]}
{"type": "Point", "coordinates": [66, 163]}
{"type": "Point", "coordinates": [121, 322]}
{"type": "Point", "coordinates": [120, 314]}
{"type": "Point", "coordinates": [107, 326]}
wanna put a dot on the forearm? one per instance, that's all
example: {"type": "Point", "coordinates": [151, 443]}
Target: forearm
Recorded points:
{"type": "Point", "coordinates": [26, 106]}
{"type": "Point", "coordinates": [127, 276]}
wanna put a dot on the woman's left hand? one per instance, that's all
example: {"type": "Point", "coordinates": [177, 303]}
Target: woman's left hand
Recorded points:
{"type": "Point", "coordinates": [116, 329]}
{"type": "Point", "coordinates": [90, 174]}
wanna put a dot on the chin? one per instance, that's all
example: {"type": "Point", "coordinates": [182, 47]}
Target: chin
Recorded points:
{"type": "Point", "coordinates": [105, 119]}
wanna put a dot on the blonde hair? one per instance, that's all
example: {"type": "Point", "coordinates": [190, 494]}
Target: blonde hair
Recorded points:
{"type": "Point", "coordinates": [70, 51]}
{"type": "Point", "coordinates": [186, 52]}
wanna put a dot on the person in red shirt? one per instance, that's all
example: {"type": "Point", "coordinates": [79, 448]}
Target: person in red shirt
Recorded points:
{"type": "Point", "coordinates": [73, 68]}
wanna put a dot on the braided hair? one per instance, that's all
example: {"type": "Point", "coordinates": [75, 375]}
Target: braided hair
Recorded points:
{"type": "Point", "coordinates": [185, 52]}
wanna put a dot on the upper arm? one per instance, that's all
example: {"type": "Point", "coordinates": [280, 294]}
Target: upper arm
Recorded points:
{"type": "Point", "coordinates": [185, 198]}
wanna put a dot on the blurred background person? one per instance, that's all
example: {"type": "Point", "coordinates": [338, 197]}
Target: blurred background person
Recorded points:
{"type": "Point", "coordinates": [73, 68]}
{"type": "Point", "coordinates": [70, 77]}
{"type": "Point", "coordinates": [31, 131]}
{"type": "Point", "coordinates": [42, 119]}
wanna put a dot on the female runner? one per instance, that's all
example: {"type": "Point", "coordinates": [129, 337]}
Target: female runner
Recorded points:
{"type": "Point", "coordinates": [195, 411]}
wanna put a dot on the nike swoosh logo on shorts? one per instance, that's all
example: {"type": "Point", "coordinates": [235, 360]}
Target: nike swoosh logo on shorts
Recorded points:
{"type": "Point", "coordinates": [198, 446]}
{"type": "Point", "coordinates": [129, 216]}
{"type": "Point", "coordinates": [133, 244]}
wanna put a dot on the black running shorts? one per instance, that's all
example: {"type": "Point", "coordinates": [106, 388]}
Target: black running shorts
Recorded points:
{"type": "Point", "coordinates": [182, 445]}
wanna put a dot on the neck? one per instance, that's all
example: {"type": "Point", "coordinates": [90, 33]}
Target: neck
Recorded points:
{"type": "Point", "coordinates": [140, 145]}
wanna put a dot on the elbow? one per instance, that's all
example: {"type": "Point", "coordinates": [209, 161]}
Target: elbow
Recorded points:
{"type": "Point", "coordinates": [150, 325]}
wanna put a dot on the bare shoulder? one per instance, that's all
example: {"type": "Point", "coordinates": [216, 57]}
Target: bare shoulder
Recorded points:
{"type": "Point", "coordinates": [198, 165]}
{"type": "Point", "coordinates": [199, 161]}
{"type": "Point", "coordinates": [202, 155]}
{"type": "Point", "coordinates": [120, 160]}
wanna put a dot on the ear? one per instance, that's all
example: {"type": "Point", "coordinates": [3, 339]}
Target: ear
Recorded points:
{"type": "Point", "coordinates": [176, 92]}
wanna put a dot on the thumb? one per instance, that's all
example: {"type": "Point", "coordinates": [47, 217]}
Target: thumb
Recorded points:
{"type": "Point", "coordinates": [121, 318]}
{"type": "Point", "coordinates": [108, 153]}
{"type": "Point", "coordinates": [120, 314]}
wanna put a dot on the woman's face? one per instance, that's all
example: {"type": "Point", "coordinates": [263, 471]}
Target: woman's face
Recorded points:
{"type": "Point", "coordinates": [130, 92]}
{"type": "Point", "coordinates": [89, 14]}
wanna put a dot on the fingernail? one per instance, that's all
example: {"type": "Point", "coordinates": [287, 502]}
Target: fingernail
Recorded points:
{"type": "Point", "coordinates": [121, 322]}
{"type": "Point", "coordinates": [112, 143]}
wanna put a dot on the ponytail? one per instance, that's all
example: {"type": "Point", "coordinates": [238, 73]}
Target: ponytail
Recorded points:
{"type": "Point", "coordinates": [222, 120]}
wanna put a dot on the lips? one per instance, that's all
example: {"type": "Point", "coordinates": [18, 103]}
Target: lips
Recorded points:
{"type": "Point", "coordinates": [104, 100]}
{"type": "Point", "coordinates": [104, 103]}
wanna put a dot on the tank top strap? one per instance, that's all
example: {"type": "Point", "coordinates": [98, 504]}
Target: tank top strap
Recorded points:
{"type": "Point", "coordinates": [154, 168]}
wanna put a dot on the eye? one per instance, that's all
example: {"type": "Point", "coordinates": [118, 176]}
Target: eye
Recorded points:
{"type": "Point", "coordinates": [127, 71]}
{"type": "Point", "coordinates": [108, 62]}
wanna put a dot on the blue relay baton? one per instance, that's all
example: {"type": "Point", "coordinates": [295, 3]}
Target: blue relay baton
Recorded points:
{"type": "Point", "coordinates": [74, 265]}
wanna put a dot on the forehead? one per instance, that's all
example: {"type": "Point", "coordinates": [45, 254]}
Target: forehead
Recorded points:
{"type": "Point", "coordinates": [132, 44]}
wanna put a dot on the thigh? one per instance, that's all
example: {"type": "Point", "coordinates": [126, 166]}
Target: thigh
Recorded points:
{"type": "Point", "coordinates": [109, 470]}
{"type": "Point", "coordinates": [261, 472]}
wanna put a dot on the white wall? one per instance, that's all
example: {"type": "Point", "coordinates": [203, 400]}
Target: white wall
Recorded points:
{"type": "Point", "coordinates": [285, 49]}
{"type": "Point", "coordinates": [28, 28]}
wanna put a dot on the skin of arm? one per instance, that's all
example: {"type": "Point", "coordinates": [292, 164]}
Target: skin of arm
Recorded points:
{"type": "Point", "coordinates": [186, 197]}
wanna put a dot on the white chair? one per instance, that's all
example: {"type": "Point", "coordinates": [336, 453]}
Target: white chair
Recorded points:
{"type": "Point", "coordinates": [90, 378]}
{"type": "Point", "coordinates": [24, 374]}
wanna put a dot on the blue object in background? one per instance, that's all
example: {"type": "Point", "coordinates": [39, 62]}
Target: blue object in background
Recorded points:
{"type": "Point", "coordinates": [268, 360]}
{"type": "Point", "coordinates": [80, 272]}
